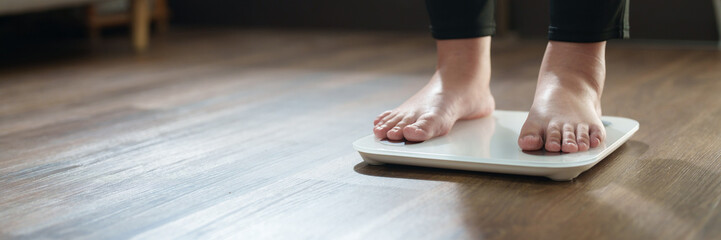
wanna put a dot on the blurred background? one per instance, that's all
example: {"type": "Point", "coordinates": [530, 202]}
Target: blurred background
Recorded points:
{"type": "Point", "coordinates": [50, 30]}
{"type": "Point", "coordinates": [28, 25]}
{"type": "Point", "coordinates": [650, 19]}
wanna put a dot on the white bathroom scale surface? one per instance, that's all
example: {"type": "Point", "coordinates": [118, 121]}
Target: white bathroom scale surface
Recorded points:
{"type": "Point", "coordinates": [490, 144]}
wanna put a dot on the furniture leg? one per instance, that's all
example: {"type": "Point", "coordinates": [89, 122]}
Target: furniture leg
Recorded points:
{"type": "Point", "coordinates": [140, 18]}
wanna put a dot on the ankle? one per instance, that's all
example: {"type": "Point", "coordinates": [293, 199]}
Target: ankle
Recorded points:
{"type": "Point", "coordinates": [575, 66]}
{"type": "Point", "coordinates": [464, 62]}
{"type": "Point", "coordinates": [469, 53]}
{"type": "Point", "coordinates": [466, 49]}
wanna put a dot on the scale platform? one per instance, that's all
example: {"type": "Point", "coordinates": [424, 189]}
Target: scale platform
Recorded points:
{"type": "Point", "coordinates": [490, 144]}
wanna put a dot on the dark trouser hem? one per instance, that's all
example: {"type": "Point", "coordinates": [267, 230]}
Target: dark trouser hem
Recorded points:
{"type": "Point", "coordinates": [454, 19]}
{"type": "Point", "coordinates": [571, 20]}
{"type": "Point", "coordinates": [581, 37]}
{"type": "Point", "coordinates": [456, 34]}
{"type": "Point", "coordinates": [588, 20]}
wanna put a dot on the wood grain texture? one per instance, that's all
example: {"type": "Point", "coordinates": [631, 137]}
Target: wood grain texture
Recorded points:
{"type": "Point", "coordinates": [247, 134]}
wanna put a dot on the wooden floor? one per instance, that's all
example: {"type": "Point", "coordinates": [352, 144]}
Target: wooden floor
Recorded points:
{"type": "Point", "coordinates": [247, 134]}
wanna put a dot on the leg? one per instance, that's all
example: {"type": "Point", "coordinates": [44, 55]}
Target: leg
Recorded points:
{"type": "Point", "coordinates": [91, 16]}
{"type": "Point", "coordinates": [140, 24]}
{"type": "Point", "coordinates": [566, 110]}
{"type": "Point", "coordinates": [161, 15]}
{"type": "Point", "coordinates": [459, 88]}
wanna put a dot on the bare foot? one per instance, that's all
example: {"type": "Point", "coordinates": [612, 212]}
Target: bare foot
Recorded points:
{"type": "Point", "coordinates": [566, 110]}
{"type": "Point", "coordinates": [458, 90]}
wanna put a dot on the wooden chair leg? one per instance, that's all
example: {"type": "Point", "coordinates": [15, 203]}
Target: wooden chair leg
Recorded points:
{"type": "Point", "coordinates": [162, 15]}
{"type": "Point", "coordinates": [91, 18]}
{"type": "Point", "coordinates": [140, 16]}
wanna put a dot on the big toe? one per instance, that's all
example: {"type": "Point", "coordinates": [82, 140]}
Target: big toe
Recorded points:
{"type": "Point", "coordinates": [530, 138]}
{"type": "Point", "coordinates": [425, 128]}
{"type": "Point", "coordinates": [415, 133]}
{"type": "Point", "coordinates": [530, 142]}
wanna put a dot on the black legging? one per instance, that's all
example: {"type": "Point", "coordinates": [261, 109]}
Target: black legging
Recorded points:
{"type": "Point", "coordinates": [571, 20]}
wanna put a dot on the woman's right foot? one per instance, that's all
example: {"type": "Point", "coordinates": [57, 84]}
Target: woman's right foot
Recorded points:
{"type": "Point", "coordinates": [459, 89]}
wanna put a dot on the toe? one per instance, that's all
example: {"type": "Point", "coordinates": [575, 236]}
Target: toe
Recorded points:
{"type": "Point", "coordinates": [425, 128]}
{"type": "Point", "coordinates": [553, 138]}
{"type": "Point", "coordinates": [597, 135]}
{"type": "Point", "coordinates": [386, 118]}
{"type": "Point", "coordinates": [396, 133]}
{"type": "Point", "coordinates": [382, 129]}
{"type": "Point", "coordinates": [569, 139]}
{"type": "Point", "coordinates": [582, 137]}
{"type": "Point", "coordinates": [381, 116]}
{"type": "Point", "coordinates": [530, 138]}
{"type": "Point", "coordinates": [416, 134]}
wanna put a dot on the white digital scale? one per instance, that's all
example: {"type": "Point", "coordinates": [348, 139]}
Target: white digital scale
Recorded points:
{"type": "Point", "coordinates": [490, 144]}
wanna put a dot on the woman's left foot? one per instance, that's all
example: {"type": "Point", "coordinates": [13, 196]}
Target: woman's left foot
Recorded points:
{"type": "Point", "coordinates": [566, 111]}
